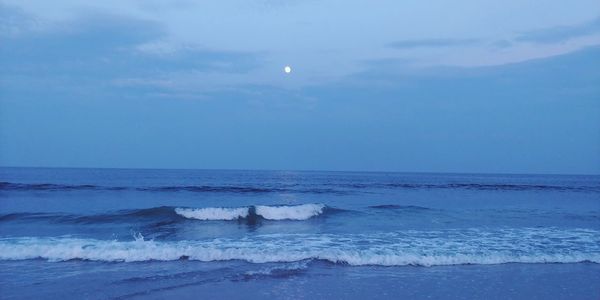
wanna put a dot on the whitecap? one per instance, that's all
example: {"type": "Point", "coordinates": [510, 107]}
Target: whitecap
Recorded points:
{"type": "Point", "coordinates": [213, 213]}
{"type": "Point", "coordinates": [423, 248]}
{"type": "Point", "coordinates": [295, 212]}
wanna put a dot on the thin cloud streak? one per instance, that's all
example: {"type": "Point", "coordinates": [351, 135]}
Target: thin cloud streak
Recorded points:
{"type": "Point", "coordinates": [561, 33]}
{"type": "Point", "coordinates": [433, 43]}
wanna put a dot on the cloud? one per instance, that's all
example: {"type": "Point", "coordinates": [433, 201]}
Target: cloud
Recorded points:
{"type": "Point", "coordinates": [501, 44]}
{"type": "Point", "coordinates": [432, 43]}
{"type": "Point", "coordinates": [560, 33]}
{"type": "Point", "coordinates": [13, 21]}
{"type": "Point", "coordinates": [99, 49]}
{"type": "Point", "coordinates": [85, 38]}
{"type": "Point", "coordinates": [544, 73]}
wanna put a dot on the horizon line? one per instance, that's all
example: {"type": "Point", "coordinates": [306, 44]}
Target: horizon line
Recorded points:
{"type": "Point", "coordinates": [308, 170]}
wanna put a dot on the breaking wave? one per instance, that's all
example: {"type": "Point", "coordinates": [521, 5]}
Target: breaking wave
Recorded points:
{"type": "Point", "coordinates": [213, 213]}
{"type": "Point", "coordinates": [281, 212]}
{"type": "Point", "coordinates": [423, 248]}
{"type": "Point", "coordinates": [175, 214]}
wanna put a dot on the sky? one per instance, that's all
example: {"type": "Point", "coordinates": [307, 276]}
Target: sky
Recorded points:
{"type": "Point", "coordinates": [413, 86]}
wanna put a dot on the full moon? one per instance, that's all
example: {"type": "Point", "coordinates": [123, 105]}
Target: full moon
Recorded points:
{"type": "Point", "coordinates": [287, 69]}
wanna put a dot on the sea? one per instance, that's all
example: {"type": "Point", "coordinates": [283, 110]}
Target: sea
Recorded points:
{"type": "Point", "coordinates": [235, 234]}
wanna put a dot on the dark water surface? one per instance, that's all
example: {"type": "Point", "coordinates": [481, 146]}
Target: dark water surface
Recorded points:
{"type": "Point", "coordinates": [117, 233]}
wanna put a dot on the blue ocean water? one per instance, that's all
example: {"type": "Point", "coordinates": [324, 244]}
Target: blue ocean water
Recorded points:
{"type": "Point", "coordinates": [120, 233]}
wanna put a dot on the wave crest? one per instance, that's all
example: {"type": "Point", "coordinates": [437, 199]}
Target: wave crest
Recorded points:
{"type": "Point", "coordinates": [213, 213]}
{"type": "Point", "coordinates": [277, 212]}
{"type": "Point", "coordinates": [296, 212]}
{"type": "Point", "coordinates": [424, 248]}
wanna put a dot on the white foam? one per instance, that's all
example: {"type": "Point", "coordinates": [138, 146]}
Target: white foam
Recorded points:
{"type": "Point", "coordinates": [283, 212]}
{"type": "Point", "coordinates": [213, 213]}
{"type": "Point", "coordinates": [425, 248]}
{"type": "Point", "coordinates": [296, 212]}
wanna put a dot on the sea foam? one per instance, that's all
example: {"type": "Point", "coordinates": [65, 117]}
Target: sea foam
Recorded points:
{"type": "Point", "coordinates": [213, 213]}
{"type": "Point", "coordinates": [296, 212]}
{"type": "Point", "coordinates": [279, 212]}
{"type": "Point", "coordinates": [424, 248]}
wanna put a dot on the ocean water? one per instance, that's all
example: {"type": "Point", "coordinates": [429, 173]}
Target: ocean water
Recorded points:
{"type": "Point", "coordinates": [120, 233]}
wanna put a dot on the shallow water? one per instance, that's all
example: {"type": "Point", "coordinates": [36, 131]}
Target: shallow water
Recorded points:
{"type": "Point", "coordinates": [117, 233]}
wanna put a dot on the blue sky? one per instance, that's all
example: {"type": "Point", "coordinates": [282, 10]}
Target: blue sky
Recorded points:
{"type": "Point", "coordinates": [463, 86]}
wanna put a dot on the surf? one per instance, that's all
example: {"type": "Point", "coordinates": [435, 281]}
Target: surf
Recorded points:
{"type": "Point", "coordinates": [273, 212]}
{"type": "Point", "coordinates": [420, 248]}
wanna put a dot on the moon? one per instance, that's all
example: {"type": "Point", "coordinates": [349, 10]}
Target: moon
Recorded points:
{"type": "Point", "coordinates": [287, 69]}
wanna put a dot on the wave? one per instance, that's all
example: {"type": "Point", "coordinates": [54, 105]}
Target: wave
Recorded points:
{"type": "Point", "coordinates": [475, 186]}
{"type": "Point", "coordinates": [213, 213]}
{"type": "Point", "coordinates": [128, 215]}
{"type": "Point", "coordinates": [53, 187]}
{"type": "Point", "coordinates": [278, 212]}
{"type": "Point", "coordinates": [422, 248]}
{"type": "Point", "coordinates": [400, 207]}
{"type": "Point", "coordinates": [10, 186]}
{"type": "Point", "coordinates": [296, 212]}
{"type": "Point", "coordinates": [175, 214]}
{"type": "Point", "coordinates": [328, 188]}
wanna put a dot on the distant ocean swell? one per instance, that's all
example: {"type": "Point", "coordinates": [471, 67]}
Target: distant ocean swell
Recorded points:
{"type": "Point", "coordinates": [423, 248]}
{"type": "Point", "coordinates": [329, 188]}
